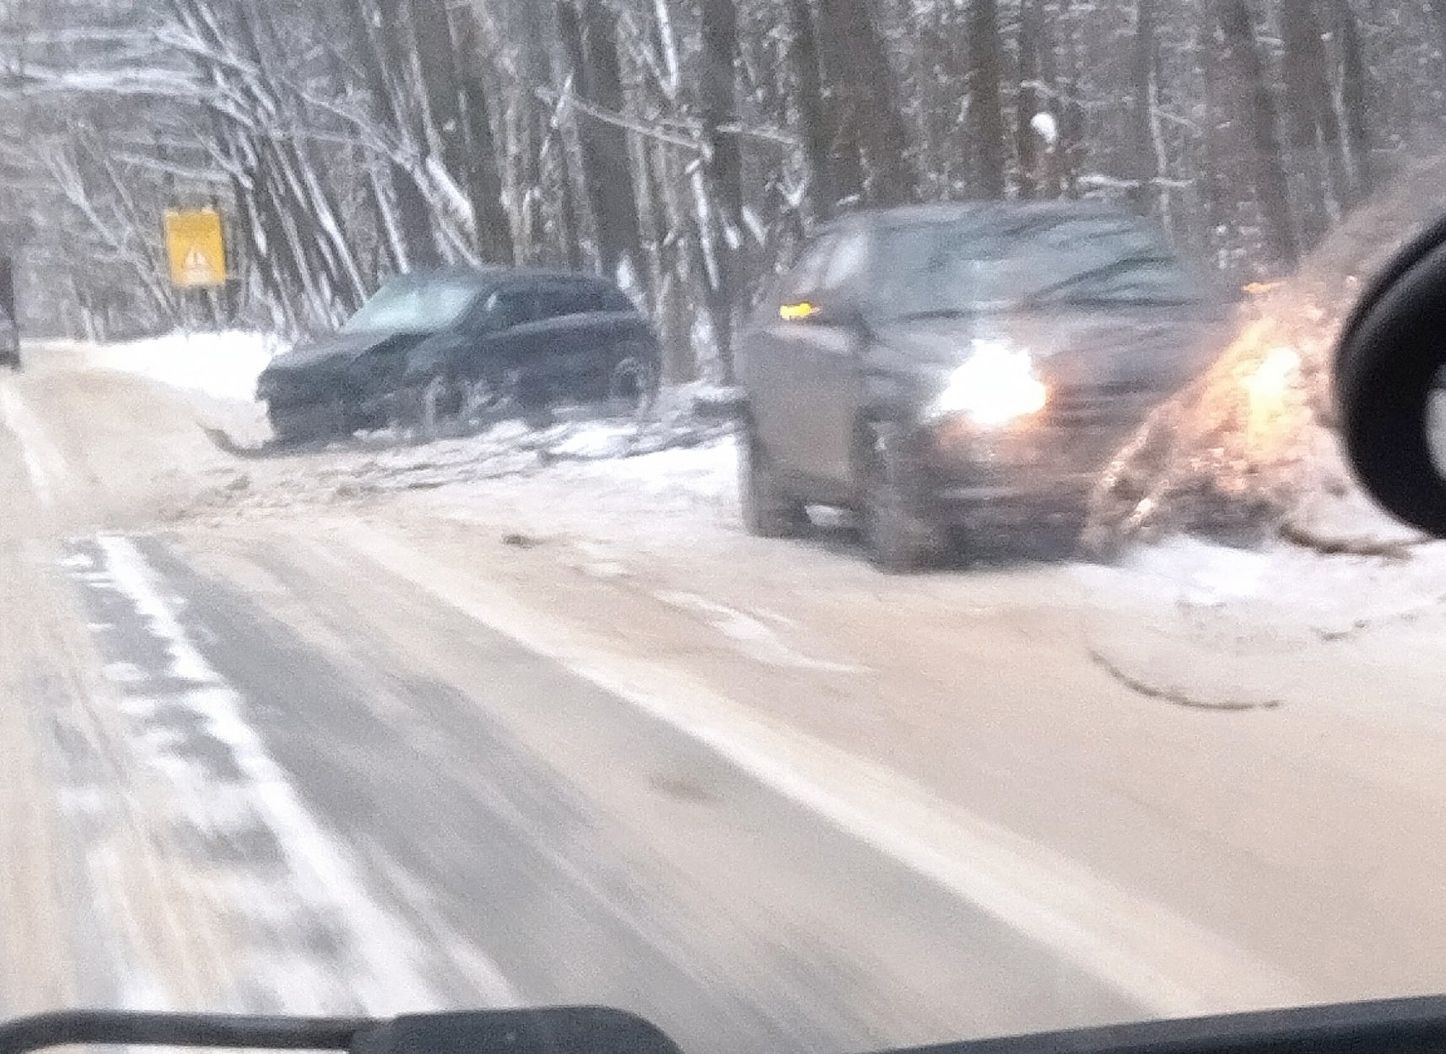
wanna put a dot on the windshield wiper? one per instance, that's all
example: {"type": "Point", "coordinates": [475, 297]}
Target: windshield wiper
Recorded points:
{"type": "Point", "coordinates": [936, 312]}
{"type": "Point", "coordinates": [1095, 274]}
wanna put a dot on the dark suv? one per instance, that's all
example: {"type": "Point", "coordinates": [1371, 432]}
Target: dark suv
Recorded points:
{"type": "Point", "coordinates": [919, 364]}
{"type": "Point", "coordinates": [439, 344]}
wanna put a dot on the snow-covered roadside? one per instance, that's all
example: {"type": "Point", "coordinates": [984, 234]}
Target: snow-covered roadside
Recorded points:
{"type": "Point", "coordinates": [220, 366]}
{"type": "Point", "coordinates": [215, 373]}
{"type": "Point", "coordinates": [1331, 597]}
{"type": "Point", "coordinates": [672, 482]}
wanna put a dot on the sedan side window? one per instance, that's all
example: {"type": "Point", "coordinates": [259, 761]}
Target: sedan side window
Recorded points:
{"type": "Point", "coordinates": [508, 308]}
{"type": "Point", "coordinates": [573, 299]}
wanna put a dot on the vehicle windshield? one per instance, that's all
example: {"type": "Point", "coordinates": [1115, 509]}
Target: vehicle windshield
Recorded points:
{"type": "Point", "coordinates": [948, 268]}
{"type": "Point", "coordinates": [409, 306]}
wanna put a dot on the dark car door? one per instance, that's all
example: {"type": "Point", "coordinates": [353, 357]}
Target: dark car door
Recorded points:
{"type": "Point", "coordinates": [766, 359]}
{"type": "Point", "coordinates": [809, 387]}
{"type": "Point", "coordinates": [485, 352]}
{"type": "Point", "coordinates": [575, 352]}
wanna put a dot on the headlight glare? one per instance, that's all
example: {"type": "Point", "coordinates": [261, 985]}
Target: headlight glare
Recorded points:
{"type": "Point", "coordinates": [995, 386]}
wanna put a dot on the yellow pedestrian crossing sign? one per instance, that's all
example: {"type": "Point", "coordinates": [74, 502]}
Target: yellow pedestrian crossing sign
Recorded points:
{"type": "Point", "coordinates": [196, 247]}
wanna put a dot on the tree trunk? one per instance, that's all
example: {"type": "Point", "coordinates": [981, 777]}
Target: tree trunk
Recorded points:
{"type": "Point", "coordinates": [986, 108]}
{"type": "Point", "coordinates": [479, 158]}
{"type": "Point", "coordinates": [857, 64]}
{"type": "Point", "coordinates": [1026, 139]}
{"type": "Point", "coordinates": [435, 51]}
{"type": "Point", "coordinates": [414, 216]}
{"type": "Point", "coordinates": [812, 117]}
{"type": "Point", "coordinates": [1303, 81]}
{"type": "Point", "coordinates": [1253, 100]}
{"type": "Point", "coordinates": [1353, 98]}
{"type": "Point", "coordinates": [1073, 147]}
{"type": "Point", "coordinates": [1142, 78]}
{"type": "Point", "coordinates": [538, 135]}
{"type": "Point", "coordinates": [590, 38]}
{"type": "Point", "coordinates": [1051, 158]}
{"type": "Point", "coordinates": [723, 162]}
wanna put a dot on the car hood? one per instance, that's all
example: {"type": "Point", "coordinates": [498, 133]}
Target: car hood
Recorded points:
{"type": "Point", "coordinates": [337, 351]}
{"type": "Point", "coordinates": [1130, 347]}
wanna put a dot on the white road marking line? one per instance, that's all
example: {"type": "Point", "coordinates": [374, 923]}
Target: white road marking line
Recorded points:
{"type": "Point", "coordinates": [1138, 946]}
{"type": "Point", "coordinates": [753, 636]}
{"type": "Point", "coordinates": [381, 960]}
{"type": "Point", "coordinates": [44, 462]}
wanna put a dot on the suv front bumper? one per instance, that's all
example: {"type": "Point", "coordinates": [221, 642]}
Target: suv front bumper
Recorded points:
{"type": "Point", "coordinates": [1051, 461]}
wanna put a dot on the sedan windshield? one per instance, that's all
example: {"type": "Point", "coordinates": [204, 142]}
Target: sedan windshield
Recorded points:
{"type": "Point", "coordinates": [936, 269]}
{"type": "Point", "coordinates": [413, 307]}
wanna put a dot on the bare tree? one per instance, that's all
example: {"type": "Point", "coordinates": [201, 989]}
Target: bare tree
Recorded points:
{"type": "Point", "coordinates": [812, 117]}
{"type": "Point", "coordinates": [718, 104]}
{"type": "Point", "coordinates": [1314, 130]}
{"type": "Point", "coordinates": [1251, 97]}
{"type": "Point", "coordinates": [1353, 94]}
{"type": "Point", "coordinates": [589, 34]}
{"type": "Point", "coordinates": [867, 109]}
{"type": "Point", "coordinates": [683, 146]}
{"type": "Point", "coordinates": [985, 103]}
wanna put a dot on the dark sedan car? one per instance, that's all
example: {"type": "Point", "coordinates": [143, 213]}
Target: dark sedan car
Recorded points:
{"type": "Point", "coordinates": [918, 364]}
{"type": "Point", "coordinates": [440, 344]}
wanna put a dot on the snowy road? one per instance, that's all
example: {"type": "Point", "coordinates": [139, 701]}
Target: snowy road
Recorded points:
{"type": "Point", "coordinates": [448, 725]}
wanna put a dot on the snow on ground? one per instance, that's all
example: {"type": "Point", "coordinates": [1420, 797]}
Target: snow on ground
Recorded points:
{"type": "Point", "coordinates": [1330, 593]}
{"type": "Point", "coordinates": [219, 366]}
{"type": "Point", "coordinates": [1249, 449]}
{"type": "Point", "coordinates": [582, 467]}
{"type": "Point", "coordinates": [1210, 627]}
{"type": "Point", "coordinates": [673, 480]}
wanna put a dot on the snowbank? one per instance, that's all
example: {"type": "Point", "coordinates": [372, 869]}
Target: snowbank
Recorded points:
{"type": "Point", "coordinates": [222, 366]}
{"type": "Point", "coordinates": [685, 476]}
{"type": "Point", "coordinates": [1249, 449]}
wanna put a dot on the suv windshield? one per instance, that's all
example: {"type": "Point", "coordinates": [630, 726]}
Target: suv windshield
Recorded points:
{"type": "Point", "coordinates": [949, 268]}
{"type": "Point", "coordinates": [416, 307]}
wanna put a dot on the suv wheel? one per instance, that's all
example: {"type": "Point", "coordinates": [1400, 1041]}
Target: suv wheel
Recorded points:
{"type": "Point", "coordinates": [437, 404]}
{"type": "Point", "coordinates": [899, 535]}
{"type": "Point", "coordinates": [344, 420]}
{"type": "Point", "coordinates": [633, 385]}
{"type": "Point", "coordinates": [480, 396]}
{"type": "Point", "coordinates": [768, 511]}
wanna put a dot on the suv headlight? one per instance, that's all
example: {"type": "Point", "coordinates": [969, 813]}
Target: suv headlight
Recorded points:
{"type": "Point", "coordinates": [995, 386]}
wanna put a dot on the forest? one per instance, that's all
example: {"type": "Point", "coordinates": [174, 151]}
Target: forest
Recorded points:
{"type": "Point", "coordinates": [682, 146]}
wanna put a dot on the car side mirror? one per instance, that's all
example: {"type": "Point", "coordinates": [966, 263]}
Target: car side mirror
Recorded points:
{"type": "Point", "coordinates": [565, 1030]}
